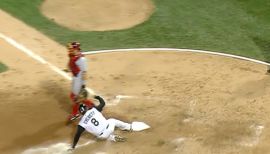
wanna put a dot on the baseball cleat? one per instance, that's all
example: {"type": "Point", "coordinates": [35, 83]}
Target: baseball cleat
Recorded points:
{"type": "Point", "coordinates": [118, 138]}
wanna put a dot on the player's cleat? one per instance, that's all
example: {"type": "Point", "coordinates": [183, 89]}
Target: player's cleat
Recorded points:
{"type": "Point", "coordinates": [118, 138]}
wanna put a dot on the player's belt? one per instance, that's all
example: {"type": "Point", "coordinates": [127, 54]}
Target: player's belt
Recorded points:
{"type": "Point", "coordinates": [103, 130]}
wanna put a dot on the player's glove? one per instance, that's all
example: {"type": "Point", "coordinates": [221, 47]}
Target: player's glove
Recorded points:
{"type": "Point", "coordinates": [66, 70]}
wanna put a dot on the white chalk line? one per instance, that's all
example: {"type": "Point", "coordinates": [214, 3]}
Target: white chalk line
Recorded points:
{"type": "Point", "coordinates": [190, 111]}
{"type": "Point", "coordinates": [56, 148]}
{"type": "Point", "coordinates": [117, 99]}
{"type": "Point", "coordinates": [33, 55]}
{"type": "Point", "coordinates": [254, 140]}
{"type": "Point", "coordinates": [177, 50]}
{"type": "Point", "coordinates": [37, 57]}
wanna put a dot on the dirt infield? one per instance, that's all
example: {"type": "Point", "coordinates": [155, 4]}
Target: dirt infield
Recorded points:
{"type": "Point", "coordinates": [194, 103]}
{"type": "Point", "coordinates": [98, 15]}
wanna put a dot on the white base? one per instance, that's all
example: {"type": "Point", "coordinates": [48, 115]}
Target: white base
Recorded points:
{"type": "Point", "coordinates": [139, 126]}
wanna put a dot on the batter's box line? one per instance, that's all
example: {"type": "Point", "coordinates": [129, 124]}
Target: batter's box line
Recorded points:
{"type": "Point", "coordinates": [117, 99]}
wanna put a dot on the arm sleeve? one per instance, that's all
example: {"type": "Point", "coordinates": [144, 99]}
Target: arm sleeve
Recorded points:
{"type": "Point", "coordinates": [101, 103]}
{"type": "Point", "coordinates": [80, 130]}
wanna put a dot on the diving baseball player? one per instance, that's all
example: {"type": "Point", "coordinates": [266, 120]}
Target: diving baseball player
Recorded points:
{"type": "Point", "coordinates": [77, 65]}
{"type": "Point", "coordinates": [95, 123]}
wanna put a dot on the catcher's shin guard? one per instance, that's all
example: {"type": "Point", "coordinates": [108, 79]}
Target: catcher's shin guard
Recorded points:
{"type": "Point", "coordinates": [75, 109]}
{"type": "Point", "coordinates": [72, 97]}
{"type": "Point", "coordinates": [75, 112]}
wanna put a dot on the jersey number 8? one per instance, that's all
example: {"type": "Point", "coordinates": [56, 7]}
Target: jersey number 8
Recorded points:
{"type": "Point", "coordinates": [94, 122]}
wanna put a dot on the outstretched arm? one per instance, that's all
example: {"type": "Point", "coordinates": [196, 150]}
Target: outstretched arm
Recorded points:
{"type": "Point", "coordinates": [101, 103]}
{"type": "Point", "coordinates": [80, 130]}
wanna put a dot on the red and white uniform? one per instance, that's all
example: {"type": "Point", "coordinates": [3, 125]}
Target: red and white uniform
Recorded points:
{"type": "Point", "coordinates": [77, 64]}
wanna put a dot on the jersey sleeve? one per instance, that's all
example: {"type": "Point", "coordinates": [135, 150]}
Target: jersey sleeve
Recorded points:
{"type": "Point", "coordinates": [82, 63]}
{"type": "Point", "coordinates": [101, 103]}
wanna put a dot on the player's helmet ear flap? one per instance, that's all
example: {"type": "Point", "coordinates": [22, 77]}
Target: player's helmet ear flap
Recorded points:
{"type": "Point", "coordinates": [82, 108]}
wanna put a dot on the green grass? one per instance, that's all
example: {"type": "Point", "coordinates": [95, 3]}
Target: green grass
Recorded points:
{"type": "Point", "coordinates": [2, 67]}
{"type": "Point", "coordinates": [240, 27]}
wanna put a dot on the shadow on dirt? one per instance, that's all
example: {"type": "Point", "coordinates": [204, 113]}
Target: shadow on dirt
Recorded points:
{"type": "Point", "coordinates": [59, 92]}
{"type": "Point", "coordinates": [37, 137]}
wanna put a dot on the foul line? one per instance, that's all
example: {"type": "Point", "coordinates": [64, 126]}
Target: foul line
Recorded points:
{"type": "Point", "coordinates": [177, 50]}
{"type": "Point", "coordinates": [37, 57]}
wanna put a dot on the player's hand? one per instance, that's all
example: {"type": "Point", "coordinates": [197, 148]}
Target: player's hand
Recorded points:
{"type": "Point", "coordinates": [70, 149]}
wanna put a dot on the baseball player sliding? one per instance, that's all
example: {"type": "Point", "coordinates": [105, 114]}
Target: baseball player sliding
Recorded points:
{"type": "Point", "coordinates": [77, 65]}
{"type": "Point", "coordinates": [95, 123]}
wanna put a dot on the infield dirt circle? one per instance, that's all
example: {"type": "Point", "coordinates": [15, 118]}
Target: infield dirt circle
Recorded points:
{"type": "Point", "coordinates": [194, 102]}
{"type": "Point", "coordinates": [97, 15]}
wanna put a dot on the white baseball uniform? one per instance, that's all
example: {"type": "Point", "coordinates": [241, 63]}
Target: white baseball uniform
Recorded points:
{"type": "Point", "coordinates": [95, 123]}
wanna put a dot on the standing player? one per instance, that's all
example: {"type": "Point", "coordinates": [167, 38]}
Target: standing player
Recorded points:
{"type": "Point", "coordinates": [77, 65]}
{"type": "Point", "coordinates": [95, 123]}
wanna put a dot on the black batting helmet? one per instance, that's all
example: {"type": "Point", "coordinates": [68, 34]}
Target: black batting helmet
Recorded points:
{"type": "Point", "coordinates": [82, 108]}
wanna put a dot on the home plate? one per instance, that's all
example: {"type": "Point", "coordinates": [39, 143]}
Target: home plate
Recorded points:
{"type": "Point", "coordinates": [139, 126]}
